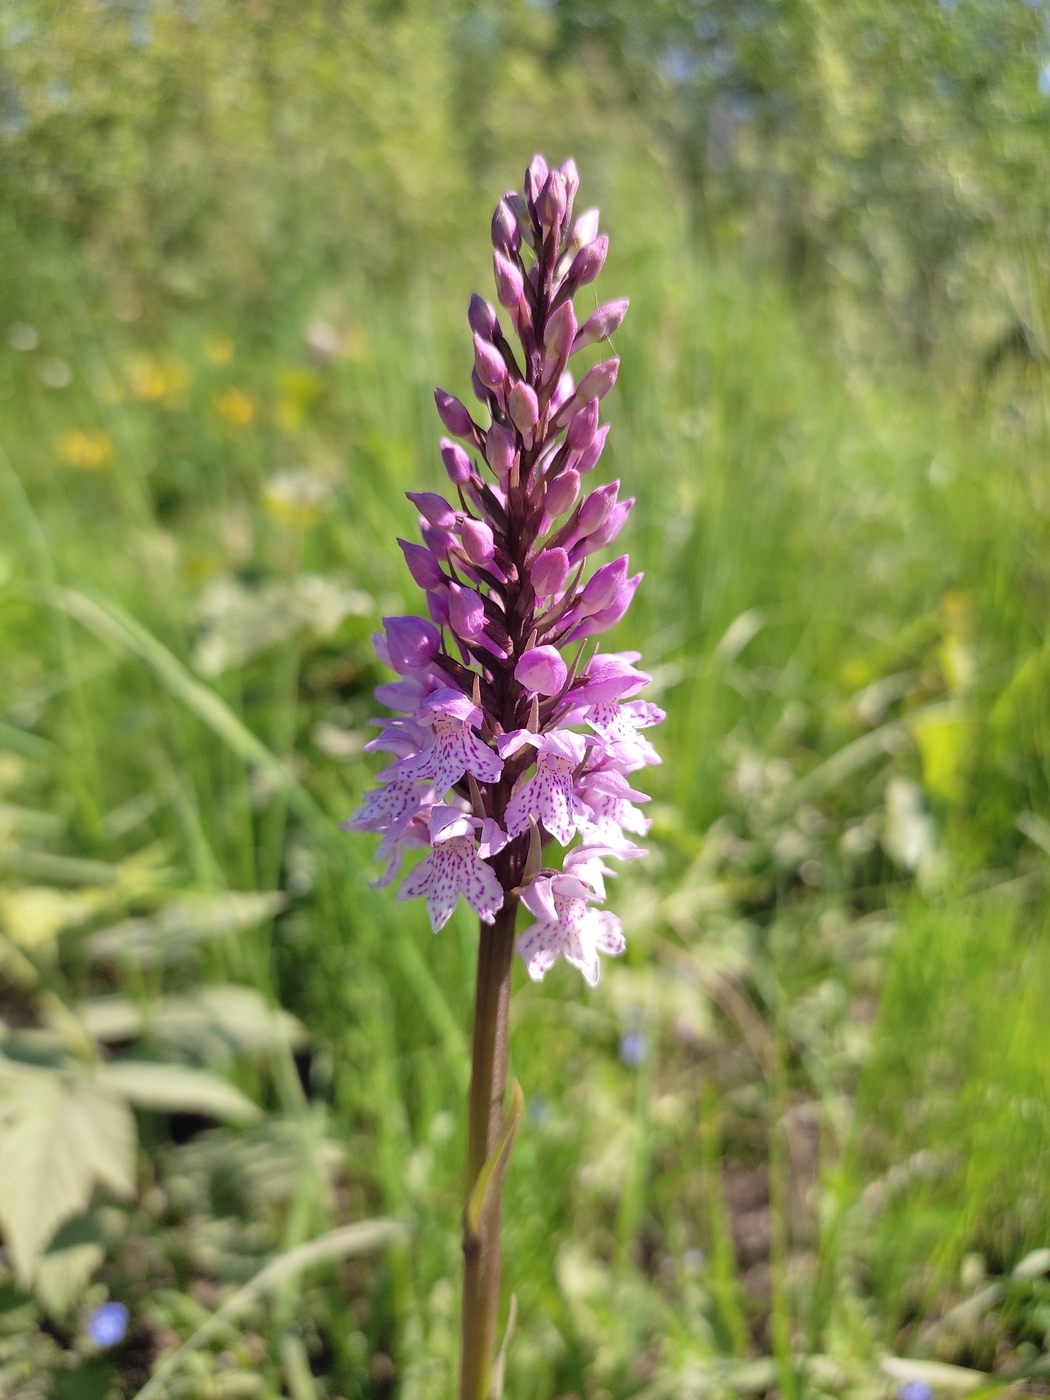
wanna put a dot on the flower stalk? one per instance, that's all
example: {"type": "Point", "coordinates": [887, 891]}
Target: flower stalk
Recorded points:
{"type": "Point", "coordinates": [511, 732]}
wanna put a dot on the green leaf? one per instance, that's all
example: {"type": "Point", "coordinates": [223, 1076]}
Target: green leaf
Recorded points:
{"type": "Point", "coordinates": [177, 929]}
{"type": "Point", "coordinates": [61, 1135]}
{"type": "Point", "coordinates": [177, 1089]}
{"type": "Point", "coordinates": [497, 1163]}
{"type": "Point", "coordinates": [63, 1274]}
{"type": "Point", "coordinates": [212, 1025]}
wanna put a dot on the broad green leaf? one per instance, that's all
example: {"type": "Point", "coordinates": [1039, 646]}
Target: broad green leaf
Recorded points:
{"type": "Point", "coordinates": [60, 1137]}
{"type": "Point", "coordinates": [177, 1089]}
{"type": "Point", "coordinates": [178, 928]}
{"type": "Point", "coordinates": [63, 1274]}
{"type": "Point", "coordinates": [212, 1025]}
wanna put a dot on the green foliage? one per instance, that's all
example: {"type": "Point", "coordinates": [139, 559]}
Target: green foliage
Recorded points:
{"type": "Point", "coordinates": [236, 246]}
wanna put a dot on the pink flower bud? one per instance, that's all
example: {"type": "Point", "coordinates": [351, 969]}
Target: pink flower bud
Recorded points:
{"type": "Point", "coordinates": [535, 178]}
{"type": "Point", "coordinates": [500, 449]}
{"type": "Point", "coordinates": [571, 176]}
{"type": "Point", "coordinates": [478, 543]}
{"type": "Point", "coordinates": [466, 612]}
{"type": "Point", "coordinates": [601, 324]}
{"type": "Point", "coordinates": [456, 461]}
{"type": "Point", "coordinates": [563, 393]}
{"type": "Point", "coordinates": [589, 457]}
{"type": "Point", "coordinates": [551, 204]}
{"type": "Point", "coordinates": [597, 382]}
{"type": "Point", "coordinates": [588, 262]}
{"type": "Point", "coordinates": [541, 671]}
{"type": "Point", "coordinates": [422, 565]}
{"type": "Point", "coordinates": [524, 408]}
{"type": "Point", "coordinates": [582, 426]}
{"type": "Point", "coordinates": [437, 605]}
{"type": "Point", "coordinates": [489, 363]}
{"type": "Point", "coordinates": [436, 509]}
{"type": "Point", "coordinates": [520, 210]}
{"type": "Point", "coordinates": [561, 493]}
{"type": "Point", "coordinates": [411, 642]}
{"type": "Point", "coordinates": [505, 235]}
{"type": "Point", "coordinates": [610, 677]}
{"type": "Point", "coordinates": [454, 414]}
{"type": "Point", "coordinates": [439, 542]}
{"type": "Point", "coordinates": [601, 589]}
{"type": "Point", "coordinates": [608, 617]}
{"type": "Point", "coordinates": [559, 331]}
{"type": "Point", "coordinates": [606, 532]}
{"type": "Point", "coordinates": [481, 316]}
{"type": "Point", "coordinates": [585, 229]}
{"type": "Point", "coordinates": [549, 572]}
{"type": "Point", "coordinates": [596, 508]}
{"type": "Point", "coordinates": [481, 391]}
{"type": "Point", "coordinates": [509, 282]}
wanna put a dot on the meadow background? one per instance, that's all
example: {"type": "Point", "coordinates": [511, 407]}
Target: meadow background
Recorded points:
{"type": "Point", "coordinates": [796, 1142]}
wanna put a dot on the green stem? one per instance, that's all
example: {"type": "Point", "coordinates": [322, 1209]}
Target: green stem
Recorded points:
{"type": "Point", "coordinates": [488, 1085]}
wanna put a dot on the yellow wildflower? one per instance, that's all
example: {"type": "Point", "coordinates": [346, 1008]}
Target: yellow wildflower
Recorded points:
{"type": "Point", "coordinates": [156, 377]}
{"type": "Point", "coordinates": [218, 348]}
{"type": "Point", "coordinates": [88, 451]}
{"type": "Point", "coordinates": [236, 407]}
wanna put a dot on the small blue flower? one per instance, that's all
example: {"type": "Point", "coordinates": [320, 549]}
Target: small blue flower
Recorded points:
{"type": "Point", "coordinates": [914, 1390]}
{"type": "Point", "coordinates": [633, 1048]}
{"type": "Point", "coordinates": [108, 1324]}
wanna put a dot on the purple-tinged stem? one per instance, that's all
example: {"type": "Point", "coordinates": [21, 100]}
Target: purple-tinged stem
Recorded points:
{"type": "Point", "coordinates": [488, 1086]}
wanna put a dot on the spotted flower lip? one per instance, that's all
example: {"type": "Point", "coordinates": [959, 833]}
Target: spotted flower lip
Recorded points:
{"type": "Point", "coordinates": [509, 722]}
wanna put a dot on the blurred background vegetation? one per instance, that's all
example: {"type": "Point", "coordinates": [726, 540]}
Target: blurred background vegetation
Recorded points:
{"type": "Point", "coordinates": [797, 1140]}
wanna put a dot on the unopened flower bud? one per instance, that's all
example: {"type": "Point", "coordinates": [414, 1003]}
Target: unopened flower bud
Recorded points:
{"type": "Point", "coordinates": [589, 457]}
{"type": "Point", "coordinates": [524, 408]}
{"type": "Point", "coordinates": [596, 508]}
{"type": "Point", "coordinates": [597, 382]}
{"type": "Point", "coordinates": [535, 178]}
{"type": "Point", "coordinates": [565, 389]}
{"type": "Point", "coordinates": [559, 332]}
{"type": "Point", "coordinates": [489, 363]}
{"type": "Point", "coordinates": [606, 532]}
{"type": "Point", "coordinates": [601, 324]}
{"type": "Point", "coordinates": [506, 237]}
{"type": "Point", "coordinates": [561, 493]}
{"type": "Point", "coordinates": [520, 210]}
{"type": "Point", "coordinates": [610, 616]}
{"type": "Point", "coordinates": [436, 509]}
{"type": "Point", "coordinates": [549, 572]}
{"type": "Point", "coordinates": [422, 565]}
{"type": "Point", "coordinates": [541, 671]}
{"type": "Point", "coordinates": [466, 612]}
{"type": "Point", "coordinates": [481, 316]}
{"type": "Point", "coordinates": [437, 606]}
{"type": "Point", "coordinates": [411, 642]}
{"type": "Point", "coordinates": [500, 449]}
{"type": "Point", "coordinates": [588, 262]}
{"type": "Point", "coordinates": [454, 414]}
{"type": "Point", "coordinates": [509, 282]}
{"type": "Point", "coordinates": [601, 589]}
{"type": "Point", "coordinates": [478, 543]}
{"type": "Point", "coordinates": [582, 426]}
{"type": "Point", "coordinates": [571, 176]}
{"type": "Point", "coordinates": [456, 461]}
{"type": "Point", "coordinates": [550, 207]}
{"type": "Point", "coordinates": [585, 229]}
{"type": "Point", "coordinates": [439, 542]}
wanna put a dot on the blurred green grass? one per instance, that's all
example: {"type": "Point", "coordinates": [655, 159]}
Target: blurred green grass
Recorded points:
{"type": "Point", "coordinates": [836, 960]}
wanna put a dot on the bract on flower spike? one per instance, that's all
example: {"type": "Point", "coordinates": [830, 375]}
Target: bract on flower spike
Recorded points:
{"type": "Point", "coordinates": [509, 738]}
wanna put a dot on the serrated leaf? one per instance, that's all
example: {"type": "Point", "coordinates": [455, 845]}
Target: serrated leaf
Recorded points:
{"type": "Point", "coordinates": [177, 1089]}
{"type": "Point", "coordinates": [177, 929]}
{"type": "Point", "coordinates": [60, 1137]}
